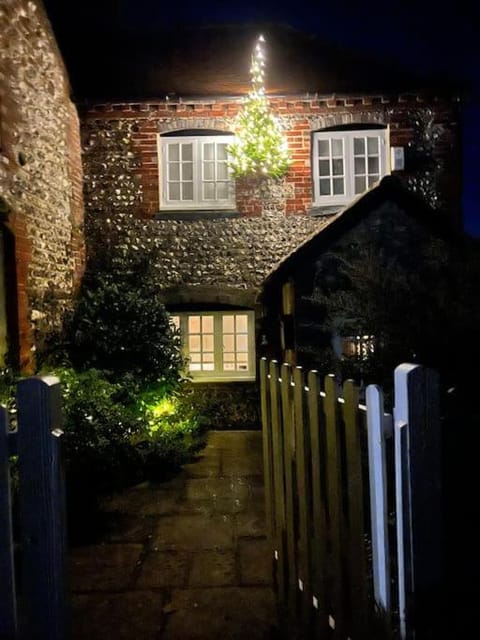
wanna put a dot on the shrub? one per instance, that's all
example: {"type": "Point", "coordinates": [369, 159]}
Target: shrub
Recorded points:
{"type": "Point", "coordinates": [173, 430]}
{"type": "Point", "coordinates": [121, 326]}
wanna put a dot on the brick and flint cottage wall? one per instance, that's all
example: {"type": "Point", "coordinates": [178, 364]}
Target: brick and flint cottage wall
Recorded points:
{"type": "Point", "coordinates": [214, 261]}
{"type": "Point", "coordinates": [425, 126]}
{"type": "Point", "coordinates": [40, 178]}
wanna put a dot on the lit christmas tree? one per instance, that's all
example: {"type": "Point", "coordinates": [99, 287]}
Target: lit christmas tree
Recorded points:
{"type": "Point", "coordinates": [260, 147]}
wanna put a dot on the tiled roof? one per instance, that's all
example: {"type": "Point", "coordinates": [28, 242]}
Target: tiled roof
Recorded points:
{"type": "Point", "coordinates": [215, 61]}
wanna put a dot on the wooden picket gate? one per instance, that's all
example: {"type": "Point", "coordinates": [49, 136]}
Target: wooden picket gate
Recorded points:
{"type": "Point", "coordinates": [33, 595]}
{"type": "Point", "coordinates": [336, 474]}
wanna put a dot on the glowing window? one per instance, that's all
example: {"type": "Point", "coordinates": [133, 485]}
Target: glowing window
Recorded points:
{"type": "Point", "coordinates": [219, 345]}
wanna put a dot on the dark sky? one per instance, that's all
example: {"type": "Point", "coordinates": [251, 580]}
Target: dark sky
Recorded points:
{"type": "Point", "coordinates": [422, 35]}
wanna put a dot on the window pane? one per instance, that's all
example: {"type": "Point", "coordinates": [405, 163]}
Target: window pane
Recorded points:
{"type": "Point", "coordinates": [242, 323]}
{"type": "Point", "coordinates": [372, 180]}
{"type": "Point", "coordinates": [324, 167]}
{"type": "Point", "coordinates": [209, 151]}
{"type": "Point", "coordinates": [207, 324]}
{"type": "Point", "coordinates": [228, 342]}
{"type": "Point", "coordinates": [194, 324]}
{"type": "Point", "coordinates": [373, 165]}
{"type": "Point", "coordinates": [324, 187]}
{"type": "Point", "coordinates": [194, 343]}
{"type": "Point", "coordinates": [242, 342]}
{"type": "Point", "coordinates": [209, 367]}
{"type": "Point", "coordinates": [208, 171]}
{"type": "Point", "coordinates": [207, 342]}
{"type": "Point", "coordinates": [222, 190]}
{"type": "Point", "coordinates": [187, 152]}
{"type": "Point", "coordinates": [222, 151]}
{"type": "Point", "coordinates": [338, 186]}
{"type": "Point", "coordinates": [174, 171]}
{"type": "Point", "coordinates": [174, 191]}
{"type": "Point", "coordinates": [175, 320]}
{"type": "Point", "coordinates": [187, 191]}
{"type": "Point", "coordinates": [337, 167]}
{"type": "Point", "coordinates": [187, 171]}
{"type": "Point", "coordinates": [195, 367]}
{"type": "Point", "coordinates": [173, 152]}
{"type": "Point", "coordinates": [323, 148]}
{"type": "Point", "coordinates": [372, 146]}
{"type": "Point", "coordinates": [209, 190]}
{"type": "Point", "coordinates": [196, 357]}
{"type": "Point", "coordinates": [222, 171]}
{"type": "Point", "coordinates": [360, 185]}
{"type": "Point", "coordinates": [337, 147]}
{"type": "Point", "coordinates": [207, 357]}
{"type": "Point", "coordinates": [242, 357]}
{"type": "Point", "coordinates": [359, 166]}
{"type": "Point", "coordinates": [229, 357]}
{"type": "Point", "coordinates": [228, 324]}
{"type": "Point", "coordinates": [229, 366]}
{"type": "Point", "coordinates": [359, 146]}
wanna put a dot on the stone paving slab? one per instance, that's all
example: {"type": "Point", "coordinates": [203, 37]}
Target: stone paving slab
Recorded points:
{"type": "Point", "coordinates": [193, 532]}
{"type": "Point", "coordinates": [164, 569]}
{"type": "Point", "coordinates": [134, 615]}
{"type": "Point", "coordinates": [227, 613]}
{"type": "Point", "coordinates": [213, 569]}
{"type": "Point", "coordinates": [104, 567]}
{"type": "Point", "coordinates": [183, 559]}
{"type": "Point", "coordinates": [255, 562]}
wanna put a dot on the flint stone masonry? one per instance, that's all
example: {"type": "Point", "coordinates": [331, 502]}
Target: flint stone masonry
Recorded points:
{"type": "Point", "coordinates": [40, 171]}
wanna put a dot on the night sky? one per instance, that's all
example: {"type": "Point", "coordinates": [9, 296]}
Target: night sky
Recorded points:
{"type": "Point", "coordinates": [421, 35]}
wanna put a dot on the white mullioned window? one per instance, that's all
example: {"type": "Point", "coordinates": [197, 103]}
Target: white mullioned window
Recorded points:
{"type": "Point", "coordinates": [346, 163]}
{"type": "Point", "coordinates": [194, 172]}
{"type": "Point", "coordinates": [219, 345]}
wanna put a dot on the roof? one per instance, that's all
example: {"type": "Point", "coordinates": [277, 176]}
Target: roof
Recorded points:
{"type": "Point", "coordinates": [390, 189]}
{"type": "Point", "coordinates": [191, 62]}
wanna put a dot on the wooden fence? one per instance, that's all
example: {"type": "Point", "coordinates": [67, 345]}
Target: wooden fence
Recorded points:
{"type": "Point", "coordinates": [353, 503]}
{"type": "Point", "coordinates": [32, 571]}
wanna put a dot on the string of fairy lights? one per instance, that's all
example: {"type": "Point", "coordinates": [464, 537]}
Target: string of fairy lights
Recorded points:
{"type": "Point", "coordinates": [260, 146]}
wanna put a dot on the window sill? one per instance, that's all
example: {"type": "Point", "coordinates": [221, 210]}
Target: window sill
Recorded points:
{"type": "Point", "coordinates": [325, 211]}
{"type": "Point", "coordinates": [197, 214]}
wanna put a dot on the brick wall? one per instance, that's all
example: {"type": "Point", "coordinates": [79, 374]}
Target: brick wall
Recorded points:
{"type": "Point", "coordinates": [40, 173]}
{"type": "Point", "coordinates": [426, 126]}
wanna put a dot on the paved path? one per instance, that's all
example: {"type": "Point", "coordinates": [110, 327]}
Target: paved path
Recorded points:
{"type": "Point", "coordinates": [184, 560]}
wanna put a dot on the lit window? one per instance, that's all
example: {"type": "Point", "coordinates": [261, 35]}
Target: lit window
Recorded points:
{"type": "Point", "coordinates": [347, 163]}
{"type": "Point", "coordinates": [219, 345]}
{"type": "Point", "coordinates": [195, 172]}
{"type": "Point", "coordinates": [361, 347]}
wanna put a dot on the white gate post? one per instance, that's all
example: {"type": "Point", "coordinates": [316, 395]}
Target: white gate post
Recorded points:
{"type": "Point", "coordinates": [418, 499]}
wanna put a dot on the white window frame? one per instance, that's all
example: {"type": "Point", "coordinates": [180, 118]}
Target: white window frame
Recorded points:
{"type": "Point", "coordinates": [347, 137]}
{"type": "Point", "coordinates": [198, 201]}
{"type": "Point", "coordinates": [218, 374]}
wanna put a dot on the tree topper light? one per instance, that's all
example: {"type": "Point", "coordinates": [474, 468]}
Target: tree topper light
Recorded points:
{"type": "Point", "coordinates": [260, 146]}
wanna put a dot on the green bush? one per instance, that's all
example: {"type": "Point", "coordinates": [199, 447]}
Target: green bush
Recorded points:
{"type": "Point", "coordinates": [173, 430]}
{"type": "Point", "coordinates": [121, 326]}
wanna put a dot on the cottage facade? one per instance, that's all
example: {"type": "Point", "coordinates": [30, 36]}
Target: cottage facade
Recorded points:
{"type": "Point", "coordinates": [41, 201]}
{"type": "Point", "coordinates": [155, 152]}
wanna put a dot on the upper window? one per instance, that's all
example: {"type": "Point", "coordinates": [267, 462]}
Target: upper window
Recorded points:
{"type": "Point", "coordinates": [219, 345]}
{"type": "Point", "coordinates": [195, 172]}
{"type": "Point", "coordinates": [347, 163]}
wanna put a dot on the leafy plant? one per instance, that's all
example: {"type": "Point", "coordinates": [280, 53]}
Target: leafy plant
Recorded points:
{"type": "Point", "coordinates": [121, 326]}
